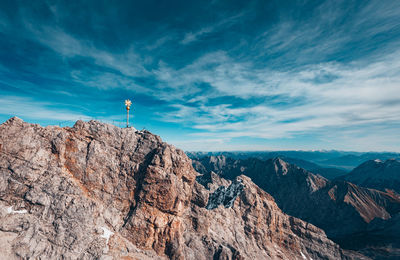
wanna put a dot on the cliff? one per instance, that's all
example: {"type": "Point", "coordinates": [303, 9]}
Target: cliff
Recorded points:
{"type": "Point", "coordinates": [96, 191]}
{"type": "Point", "coordinates": [355, 217]}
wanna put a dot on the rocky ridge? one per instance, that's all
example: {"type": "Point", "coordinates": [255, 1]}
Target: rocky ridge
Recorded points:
{"type": "Point", "coordinates": [377, 174]}
{"type": "Point", "coordinates": [96, 191]}
{"type": "Point", "coordinates": [350, 215]}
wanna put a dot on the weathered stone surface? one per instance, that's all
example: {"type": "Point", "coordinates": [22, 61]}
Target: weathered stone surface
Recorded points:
{"type": "Point", "coordinates": [353, 216]}
{"type": "Point", "coordinates": [96, 191]}
{"type": "Point", "coordinates": [254, 228]}
{"type": "Point", "coordinates": [225, 196]}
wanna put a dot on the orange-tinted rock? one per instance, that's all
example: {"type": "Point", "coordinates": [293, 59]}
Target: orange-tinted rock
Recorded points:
{"type": "Point", "coordinates": [96, 191]}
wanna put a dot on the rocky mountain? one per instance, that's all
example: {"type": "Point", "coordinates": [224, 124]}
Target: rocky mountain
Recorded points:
{"type": "Point", "coordinates": [310, 160]}
{"type": "Point", "coordinates": [96, 191]}
{"type": "Point", "coordinates": [377, 174]}
{"type": "Point", "coordinates": [344, 210]}
{"type": "Point", "coordinates": [351, 161]}
{"type": "Point", "coordinates": [216, 163]}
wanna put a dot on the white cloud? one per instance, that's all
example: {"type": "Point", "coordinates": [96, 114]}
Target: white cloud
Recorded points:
{"type": "Point", "coordinates": [29, 109]}
{"type": "Point", "coordinates": [213, 28]}
{"type": "Point", "coordinates": [361, 93]}
{"type": "Point", "coordinates": [308, 97]}
{"type": "Point", "coordinates": [128, 63]}
{"type": "Point", "coordinates": [191, 37]}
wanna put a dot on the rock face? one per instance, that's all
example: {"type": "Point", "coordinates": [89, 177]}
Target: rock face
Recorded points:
{"type": "Point", "coordinates": [377, 175]}
{"type": "Point", "coordinates": [342, 209]}
{"type": "Point", "coordinates": [225, 196]}
{"type": "Point", "coordinates": [96, 191]}
{"type": "Point", "coordinates": [91, 190]}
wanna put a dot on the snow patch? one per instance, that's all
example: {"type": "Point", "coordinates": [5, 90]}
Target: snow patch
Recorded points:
{"type": "Point", "coordinates": [11, 211]}
{"type": "Point", "coordinates": [107, 234]}
{"type": "Point", "coordinates": [304, 257]}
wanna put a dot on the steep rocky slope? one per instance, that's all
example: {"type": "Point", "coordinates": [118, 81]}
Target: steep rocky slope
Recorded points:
{"type": "Point", "coordinates": [342, 209]}
{"type": "Point", "coordinates": [377, 175]}
{"type": "Point", "coordinates": [96, 191]}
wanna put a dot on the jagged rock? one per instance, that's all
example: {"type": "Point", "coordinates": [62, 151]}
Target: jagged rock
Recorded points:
{"type": "Point", "coordinates": [255, 228]}
{"type": "Point", "coordinates": [96, 191]}
{"type": "Point", "coordinates": [342, 209]}
{"type": "Point", "coordinates": [225, 196]}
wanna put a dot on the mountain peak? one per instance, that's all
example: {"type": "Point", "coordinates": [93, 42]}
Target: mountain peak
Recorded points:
{"type": "Point", "coordinates": [377, 175]}
{"type": "Point", "coordinates": [95, 190]}
{"type": "Point", "coordinates": [280, 165]}
{"type": "Point", "coordinates": [14, 120]}
{"type": "Point", "coordinates": [344, 210]}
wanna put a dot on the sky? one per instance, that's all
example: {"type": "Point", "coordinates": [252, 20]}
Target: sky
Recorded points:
{"type": "Point", "coordinates": [210, 75]}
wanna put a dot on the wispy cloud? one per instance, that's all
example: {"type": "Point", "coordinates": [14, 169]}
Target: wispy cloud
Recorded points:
{"type": "Point", "coordinates": [358, 94]}
{"type": "Point", "coordinates": [223, 24]}
{"type": "Point", "coordinates": [33, 110]}
{"type": "Point", "coordinates": [129, 63]}
{"type": "Point", "coordinates": [329, 72]}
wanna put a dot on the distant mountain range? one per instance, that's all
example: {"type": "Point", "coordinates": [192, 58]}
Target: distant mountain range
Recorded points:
{"type": "Point", "coordinates": [321, 159]}
{"type": "Point", "coordinates": [377, 174]}
{"type": "Point", "coordinates": [355, 217]}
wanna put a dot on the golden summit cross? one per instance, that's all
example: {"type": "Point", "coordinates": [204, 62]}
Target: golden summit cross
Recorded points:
{"type": "Point", "coordinates": [128, 104]}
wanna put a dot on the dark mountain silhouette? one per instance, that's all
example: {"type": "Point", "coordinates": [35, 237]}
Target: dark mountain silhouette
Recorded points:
{"type": "Point", "coordinates": [308, 160]}
{"type": "Point", "coordinates": [377, 174]}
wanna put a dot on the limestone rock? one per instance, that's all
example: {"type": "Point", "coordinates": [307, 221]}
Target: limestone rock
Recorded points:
{"type": "Point", "coordinates": [96, 191]}
{"type": "Point", "coordinates": [225, 196]}
{"type": "Point", "coordinates": [353, 216]}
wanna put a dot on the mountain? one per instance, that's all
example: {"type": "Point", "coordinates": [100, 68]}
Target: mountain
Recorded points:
{"type": "Point", "coordinates": [350, 161]}
{"type": "Point", "coordinates": [342, 209]}
{"type": "Point", "coordinates": [377, 175]}
{"type": "Point", "coordinates": [217, 163]}
{"type": "Point", "coordinates": [213, 165]}
{"type": "Point", "coordinates": [309, 160]}
{"type": "Point", "coordinates": [96, 191]}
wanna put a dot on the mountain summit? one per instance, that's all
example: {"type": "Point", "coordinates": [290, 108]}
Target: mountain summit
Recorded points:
{"type": "Point", "coordinates": [96, 191]}
{"type": "Point", "coordinates": [377, 175]}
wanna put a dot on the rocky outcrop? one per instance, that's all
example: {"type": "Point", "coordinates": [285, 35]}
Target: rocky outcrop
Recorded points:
{"type": "Point", "coordinates": [342, 209]}
{"type": "Point", "coordinates": [225, 196]}
{"type": "Point", "coordinates": [80, 185]}
{"type": "Point", "coordinates": [254, 228]}
{"type": "Point", "coordinates": [96, 191]}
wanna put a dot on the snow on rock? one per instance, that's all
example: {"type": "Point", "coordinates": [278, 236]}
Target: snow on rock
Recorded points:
{"type": "Point", "coordinates": [11, 211]}
{"type": "Point", "coordinates": [107, 234]}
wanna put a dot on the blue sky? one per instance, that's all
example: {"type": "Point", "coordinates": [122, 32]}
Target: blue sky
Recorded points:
{"type": "Point", "coordinates": [210, 75]}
